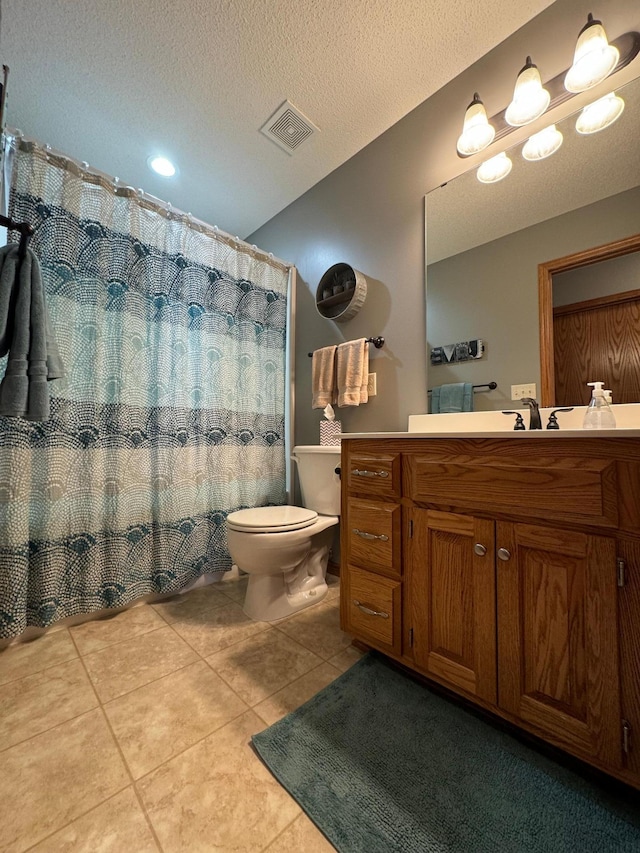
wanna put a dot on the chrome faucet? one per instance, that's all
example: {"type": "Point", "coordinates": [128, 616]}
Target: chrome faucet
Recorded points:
{"type": "Point", "coordinates": [534, 417]}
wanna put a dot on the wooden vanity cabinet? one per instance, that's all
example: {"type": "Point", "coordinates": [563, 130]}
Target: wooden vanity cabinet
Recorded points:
{"type": "Point", "coordinates": [372, 539]}
{"type": "Point", "coordinates": [453, 599]}
{"type": "Point", "coordinates": [510, 573]}
{"type": "Point", "coordinates": [557, 636]}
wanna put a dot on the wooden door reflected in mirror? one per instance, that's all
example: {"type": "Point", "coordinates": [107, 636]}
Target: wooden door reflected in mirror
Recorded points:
{"type": "Point", "coordinates": [590, 339]}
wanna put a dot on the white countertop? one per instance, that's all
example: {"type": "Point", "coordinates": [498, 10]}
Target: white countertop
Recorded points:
{"type": "Point", "coordinates": [495, 424]}
{"type": "Point", "coordinates": [622, 432]}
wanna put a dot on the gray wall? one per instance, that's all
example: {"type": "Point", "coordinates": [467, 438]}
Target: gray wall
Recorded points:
{"type": "Point", "coordinates": [491, 292]}
{"type": "Point", "coordinates": [616, 275]}
{"type": "Point", "coordinates": [369, 213]}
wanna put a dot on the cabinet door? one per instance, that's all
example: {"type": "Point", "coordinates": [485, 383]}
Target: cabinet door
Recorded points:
{"type": "Point", "coordinates": [557, 635]}
{"type": "Point", "coordinates": [452, 589]}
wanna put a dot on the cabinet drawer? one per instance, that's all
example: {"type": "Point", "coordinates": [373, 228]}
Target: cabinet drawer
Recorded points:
{"type": "Point", "coordinates": [373, 609]}
{"type": "Point", "coordinates": [374, 536]}
{"type": "Point", "coordinates": [577, 489]}
{"type": "Point", "coordinates": [376, 475]}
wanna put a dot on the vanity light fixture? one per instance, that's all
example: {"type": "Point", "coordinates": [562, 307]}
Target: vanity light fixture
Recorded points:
{"type": "Point", "coordinates": [530, 100]}
{"type": "Point", "coordinates": [162, 166]}
{"type": "Point", "coordinates": [542, 144]}
{"type": "Point", "coordinates": [477, 133]}
{"type": "Point", "coordinates": [495, 169]}
{"type": "Point", "coordinates": [594, 58]}
{"type": "Point", "coordinates": [600, 114]}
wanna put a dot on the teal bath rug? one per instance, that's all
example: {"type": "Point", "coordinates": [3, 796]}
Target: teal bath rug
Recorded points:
{"type": "Point", "coordinates": [380, 763]}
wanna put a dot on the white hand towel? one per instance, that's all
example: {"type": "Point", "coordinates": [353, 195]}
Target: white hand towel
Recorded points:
{"type": "Point", "coordinates": [323, 377]}
{"type": "Point", "coordinates": [352, 368]}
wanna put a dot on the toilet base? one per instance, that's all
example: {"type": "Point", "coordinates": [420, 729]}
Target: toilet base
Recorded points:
{"type": "Point", "coordinates": [268, 600]}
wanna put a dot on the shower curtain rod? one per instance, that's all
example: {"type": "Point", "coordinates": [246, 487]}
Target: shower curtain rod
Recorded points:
{"type": "Point", "coordinates": [17, 139]}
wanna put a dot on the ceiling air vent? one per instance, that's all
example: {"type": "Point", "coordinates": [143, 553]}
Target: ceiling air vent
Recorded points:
{"type": "Point", "coordinates": [288, 128]}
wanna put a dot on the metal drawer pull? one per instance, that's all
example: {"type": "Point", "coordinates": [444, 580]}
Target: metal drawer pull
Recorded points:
{"type": "Point", "coordinates": [479, 549]}
{"type": "Point", "coordinates": [369, 610]}
{"type": "Point", "coordinates": [503, 554]}
{"type": "Point", "coordinates": [364, 535]}
{"type": "Point", "coordinates": [357, 473]}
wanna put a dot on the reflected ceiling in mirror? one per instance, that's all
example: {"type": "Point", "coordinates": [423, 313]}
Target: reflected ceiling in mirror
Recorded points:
{"type": "Point", "coordinates": [466, 213]}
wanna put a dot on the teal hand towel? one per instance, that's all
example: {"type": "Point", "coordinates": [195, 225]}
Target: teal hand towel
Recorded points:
{"type": "Point", "coordinates": [456, 397]}
{"type": "Point", "coordinates": [25, 333]}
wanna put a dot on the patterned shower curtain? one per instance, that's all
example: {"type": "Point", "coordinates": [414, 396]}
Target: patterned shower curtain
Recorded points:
{"type": "Point", "coordinates": [171, 414]}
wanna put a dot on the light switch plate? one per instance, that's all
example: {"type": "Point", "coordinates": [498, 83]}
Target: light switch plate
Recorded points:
{"type": "Point", "coordinates": [526, 390]}
{"type": "Point", "coordinates": [372, 386]}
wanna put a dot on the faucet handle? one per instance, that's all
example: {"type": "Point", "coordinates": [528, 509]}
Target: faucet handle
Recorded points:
{"type": "Point", "coordinates": [534, 417]}
{"type": "Point", "coordinates": [519, 424]}
{"type": "Point", "coordinates": [553, 418]}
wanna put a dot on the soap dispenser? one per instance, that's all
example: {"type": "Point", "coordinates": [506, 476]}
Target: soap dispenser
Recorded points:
{"type": "Point", "coordinates": [598, 414]}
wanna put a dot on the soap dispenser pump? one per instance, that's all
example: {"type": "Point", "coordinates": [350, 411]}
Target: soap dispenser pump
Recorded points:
{"type": "Point", "coordinates": [598, 414]}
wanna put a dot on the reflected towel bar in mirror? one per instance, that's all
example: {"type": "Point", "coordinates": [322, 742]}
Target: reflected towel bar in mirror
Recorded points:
{"type": "Point", "coordinates": [491, 386]}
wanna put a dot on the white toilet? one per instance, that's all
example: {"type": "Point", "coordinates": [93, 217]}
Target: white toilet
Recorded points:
{"type": "Point", "coordinates": [285, 549]}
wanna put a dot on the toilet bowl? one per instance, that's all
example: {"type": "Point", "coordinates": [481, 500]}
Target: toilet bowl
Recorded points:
{"type": "Point", "coordinates": [285, 549]}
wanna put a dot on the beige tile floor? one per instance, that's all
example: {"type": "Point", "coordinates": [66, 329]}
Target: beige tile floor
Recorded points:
{"type": "Point", "coordinates": [131, 734]}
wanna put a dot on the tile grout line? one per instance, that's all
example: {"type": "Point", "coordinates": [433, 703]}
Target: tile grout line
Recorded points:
{"type": "Point", "coordinates": [154, 769]}
{"type": "Point", "coordinates": [101, 705]}
{"type": "Point", "coordinates": [122, 758]}
{"type": "Point", "coordinates": [252, 707]}
{"type": "Point", "coordinates": [119, 642]}
{"type": "Point", "coordinates": [307, 648]}
{"type": "Point", "coordinates": [290, 684]}
{"type": "Point", "coordinates": [282, 832]}
{"type": "Point", "coordinates": [235, 643]}
{"type": "Point", "coordinates": [52, 728]}
{"type": "Point", "coordinates": [49, 728]}
{"type": "Point", "coordinates": [146, 683]}
{"type": "Point", "coordinates": [38, 671]}
{"type": "Point", "coordinates": [153, 680]}
{"type": "Point", "coordinates": [78, 817]}
{"type": "Point", "coordinates": [191, 745]}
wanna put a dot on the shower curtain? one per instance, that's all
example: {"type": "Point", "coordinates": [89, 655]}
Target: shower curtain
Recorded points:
{"type": "Point", "coordinates": [171, 414]}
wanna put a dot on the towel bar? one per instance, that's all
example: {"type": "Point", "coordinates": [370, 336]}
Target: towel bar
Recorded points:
{"type": "Point", "coordinates": [25, 229]}
{"type": "Point", "coordinates": [377, 342]}
{"type": "Point", "coordinates": [490, 385]}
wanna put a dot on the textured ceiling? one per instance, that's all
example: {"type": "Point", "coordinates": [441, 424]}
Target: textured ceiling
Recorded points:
{"type": "Point", "coordinates": [113, 81]}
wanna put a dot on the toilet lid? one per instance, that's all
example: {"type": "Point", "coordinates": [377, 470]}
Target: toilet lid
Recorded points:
{"type": "Point", "coordinates": [276, 519]}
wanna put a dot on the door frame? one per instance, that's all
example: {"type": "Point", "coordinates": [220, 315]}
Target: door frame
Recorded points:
{"type": "Point", "coordinates": [546, 271]}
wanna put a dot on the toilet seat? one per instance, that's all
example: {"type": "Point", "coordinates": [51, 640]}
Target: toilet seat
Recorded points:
{"type": "Point", "coordinates": [271, 519]}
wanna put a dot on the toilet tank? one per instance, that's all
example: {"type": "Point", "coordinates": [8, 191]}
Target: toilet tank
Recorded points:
{"type": "Point", "coordinates": [319, 483]}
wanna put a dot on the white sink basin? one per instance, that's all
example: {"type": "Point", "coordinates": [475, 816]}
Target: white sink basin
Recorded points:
{"type": "Point", "coordinates": [627, 417]}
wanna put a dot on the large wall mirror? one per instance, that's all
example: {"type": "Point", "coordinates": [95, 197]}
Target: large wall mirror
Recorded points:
{"type": "Point", "coordinates": [487, 243]}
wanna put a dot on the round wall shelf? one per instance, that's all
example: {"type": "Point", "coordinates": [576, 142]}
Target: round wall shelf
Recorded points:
{"type": "Point", "coordinates": [341, 293]}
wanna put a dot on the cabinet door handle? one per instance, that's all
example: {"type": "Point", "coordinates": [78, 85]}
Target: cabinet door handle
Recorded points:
{"type": "Point", "coordinates": [479, 549]}
{"type": "Point", "coordinates": [358, 473]}
{"type": "Point", "coordinates": [503, 554]}
{"type": "Point", "coordinates": [364, 535]}
{"type": "Point", "coordinates": [369, 610]}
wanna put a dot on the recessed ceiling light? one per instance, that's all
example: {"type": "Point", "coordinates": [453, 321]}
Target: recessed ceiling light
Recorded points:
{"type": "Point", "coordinates": [162, 166]}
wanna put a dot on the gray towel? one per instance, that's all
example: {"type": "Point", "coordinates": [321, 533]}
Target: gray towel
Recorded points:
{"type": "Point", "coordinates": [25, 333]}
{"type": "Point", "coordinates": [457, 397]}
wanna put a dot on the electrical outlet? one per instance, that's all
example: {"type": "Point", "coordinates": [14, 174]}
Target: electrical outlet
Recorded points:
{"type": "Point", "coordinates": [372, 386]}
{"type": "Point", "coordinates": [520, 391]}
